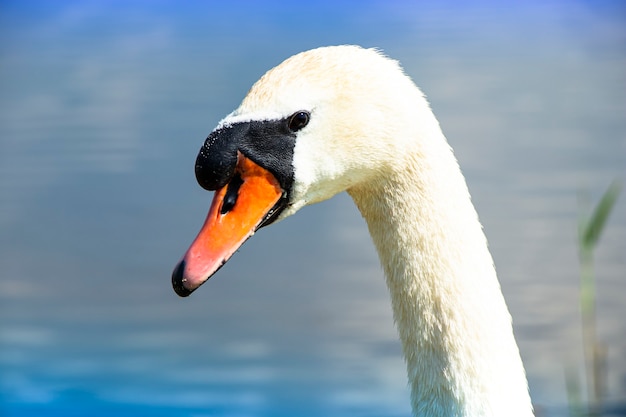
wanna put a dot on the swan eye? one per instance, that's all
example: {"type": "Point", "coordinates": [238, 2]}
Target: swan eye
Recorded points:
{"type": "Point", "coordinates": [298, 120]}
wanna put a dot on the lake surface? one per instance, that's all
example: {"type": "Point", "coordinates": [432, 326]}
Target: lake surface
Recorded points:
{"type": "Point", "coordinates": [103, 107]}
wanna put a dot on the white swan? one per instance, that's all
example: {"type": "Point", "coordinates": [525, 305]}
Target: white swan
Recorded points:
{"type": "Point", "coordinates": [346, 118]}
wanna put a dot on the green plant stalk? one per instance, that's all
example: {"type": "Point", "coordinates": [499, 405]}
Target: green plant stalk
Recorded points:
{"type": "Point", "coordinates": [588, 310]}
{"type": "Point", "coordinates": [595, 353]}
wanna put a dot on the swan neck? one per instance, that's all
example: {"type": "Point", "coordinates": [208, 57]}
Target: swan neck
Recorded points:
{"type": "Point", "coordinates": [454, 326]}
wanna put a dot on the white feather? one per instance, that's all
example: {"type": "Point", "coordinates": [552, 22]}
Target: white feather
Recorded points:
{"type": "Point", "coordinates": [373, 135]}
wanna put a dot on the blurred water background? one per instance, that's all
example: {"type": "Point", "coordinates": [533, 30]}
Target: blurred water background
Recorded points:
{"type": "Point", "coordinates": [103, 107]}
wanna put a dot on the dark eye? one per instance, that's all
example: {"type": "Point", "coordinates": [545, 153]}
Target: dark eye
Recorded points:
{"type": "Point", "coordinates": [298, 120]}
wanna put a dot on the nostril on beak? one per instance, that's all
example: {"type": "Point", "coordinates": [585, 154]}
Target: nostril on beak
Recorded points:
{"type": "Point", "coordinates": [232, 192]}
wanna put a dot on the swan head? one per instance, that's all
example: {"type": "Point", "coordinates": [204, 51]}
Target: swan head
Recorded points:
{"type": "Point", "coordinates": [322, 122]}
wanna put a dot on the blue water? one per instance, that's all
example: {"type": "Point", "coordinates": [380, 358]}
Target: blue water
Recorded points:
{"type": "Point", "coordinates": [103, 107]}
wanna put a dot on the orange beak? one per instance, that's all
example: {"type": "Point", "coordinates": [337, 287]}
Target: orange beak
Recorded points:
{"type": "Point", "coordinates": [237, 211]}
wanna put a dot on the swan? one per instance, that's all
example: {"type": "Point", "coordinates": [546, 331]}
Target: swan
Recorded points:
{"type": "Point", "coordinates": [346, 118]}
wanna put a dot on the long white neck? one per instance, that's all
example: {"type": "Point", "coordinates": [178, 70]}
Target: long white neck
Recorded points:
{"type": "Point", "coordinates": [454, 325]}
